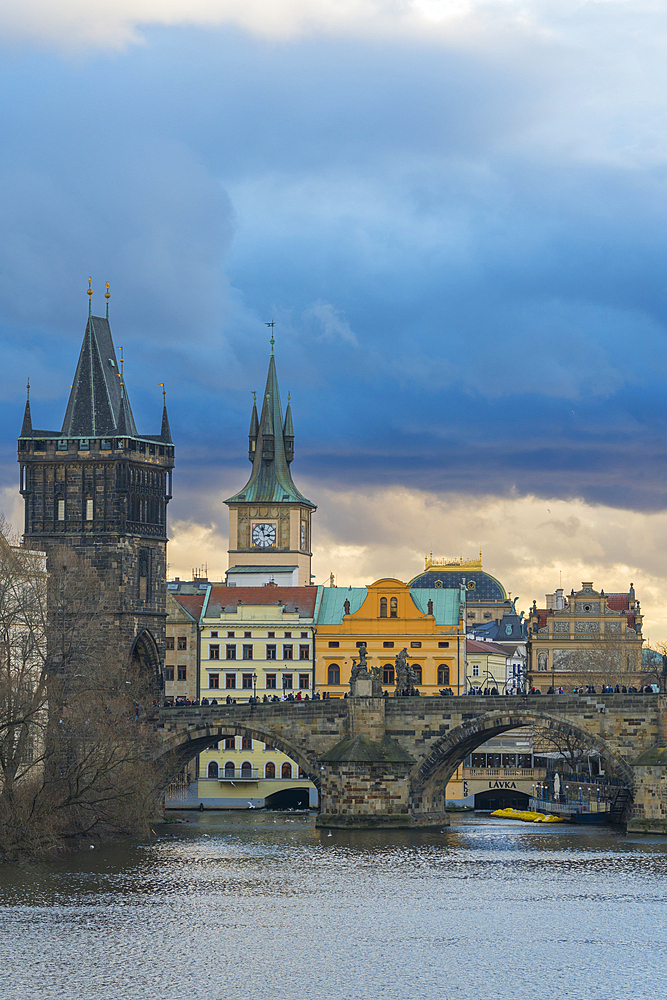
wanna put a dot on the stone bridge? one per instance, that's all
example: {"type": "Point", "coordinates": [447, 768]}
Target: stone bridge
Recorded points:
{"type": "Point", "coordinates": [387, 761]}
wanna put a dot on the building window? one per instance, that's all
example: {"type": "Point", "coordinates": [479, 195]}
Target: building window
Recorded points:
{"type": "Point", "coordinates": [286, 770]}
{"type": "Point", "coordinates": [84, 444]}
{"type": "Point", "coordinates": [214, 652]}
{"type": "Point", "coordinates": [212, 769]}
{"type": "Point", "coordinates": [383, 607]}
{"type": "Point", "coordinates": [246, 742]}
{"type": "Point", "coordinates": [214, 635]}
{"type": "Point", "coordinates": [393, 608]}
{"type": "Point", "coordinates": [287, 682]}
{"type": "Point", "coordinates": [304, 681]}
{"type": "Point", "coordinates": [182, 642]}
{"type": "Point", "coordinates": [270, 769]}
{"type": "Point", "coordinates": [333, 674]}
{"type": "Point", "coordinates": [304, 635]}
{"type": "Point", "coordinates": [270, 682]}
{"type": "Point", "coordinates": [443, 674]}
{"type": "Point", "coordinates": [170, 642]}
{"type": "Point", "coordinates": [362, 642]}
{"type": "Point", "coordinates": [387, 674]}
{"type": "Point", "coordinates": [288, 635]}
{"type": "Point", "coordinates": [304, 652]}
{"type": "Point", "coordinates": [334, 645]}
{"type": "Point", "coordinates": [270, 635]}
{"type": "Point", "coordinates": [182, 673]}
{"type": "Point", "coordinates": [230, 652]}
{"type": "Point", "coordinates": [246, 769]}
{"type": "Point", "coordinates": [443, 645]}
{"type": "Point", "coordinates": [288, 652]}
{"type": "Point", "coordinates": [415, 645]}
{"type": "Point", "coordinates": [169, 673]}
{"type": "Point", "coordinates": [230, 770]}
{"type": "Point", "coordinates": [387, 645]}
{"type": "Point", "coordinates": [231, 635]}
{"type": "Point", "coordinates": [271, 652]}
{"type": "Point", "coordinates": [89, 508]}
{"type": "Point", "coordinates": [230, 681]}
{"type": "Point", "coordinates": [62, 445]}
{"type": "Point", "coordinates": [214, 680]}
{"type": "Point", "coordinates": [475, 670]}
{"type": "Point", "coordinates": [418, 672]}
{"type": "Point", "coordinates": [247, 652]}
{"type": "Point", "coordinates": [61, 509]}
{"type": "Point", "coordinates": [246, 681]}
{"type": "Point", "coordinates": [230, 743]}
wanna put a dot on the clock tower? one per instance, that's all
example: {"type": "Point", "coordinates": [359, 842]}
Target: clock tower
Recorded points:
{"type": "Point", "coordinates": [269, 519]}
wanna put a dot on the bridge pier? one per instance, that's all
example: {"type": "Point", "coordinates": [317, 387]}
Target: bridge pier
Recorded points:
{"type": "Point", "coordinates": [649, 809]}
{"type": "Point", "coordinates": [365, 778]}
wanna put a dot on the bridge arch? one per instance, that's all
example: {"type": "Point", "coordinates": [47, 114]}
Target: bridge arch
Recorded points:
{"type": "Point", "coordinates": [179, 748]}
{"type": "Point", "coordinates": [449, 751]}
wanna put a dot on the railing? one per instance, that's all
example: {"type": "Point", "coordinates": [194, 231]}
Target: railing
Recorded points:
{"type": "Point", "coordinates": [504, 772]}
{"type": "Point", "coordinates": [239, 774]}
{"type": "Point", "coordinates": [567, 808]}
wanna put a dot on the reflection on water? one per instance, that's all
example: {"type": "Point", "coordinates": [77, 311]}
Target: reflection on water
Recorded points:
{"type": "Point", "coordinates": [261, 905]}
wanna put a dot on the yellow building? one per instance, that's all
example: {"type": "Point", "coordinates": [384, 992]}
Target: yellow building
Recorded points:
{"type": "Point", "coordinates": [388, 616]}
{"type": "Point", "coordinates": [486, 667]}
{"type": "Point", "coordinates": [181, 671]}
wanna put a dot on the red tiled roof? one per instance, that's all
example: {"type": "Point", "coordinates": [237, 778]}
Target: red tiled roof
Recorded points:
{"type": "Point", "coordinates": [473, 646]}
{"type": "Point", "coordinates": [618, 602]}
{"type": "Point", "coordinates": [299, 599]}
{"type": "Point", "coordinates": [541, 617]}
{"type": "Point", "coordinates": [192, 603]}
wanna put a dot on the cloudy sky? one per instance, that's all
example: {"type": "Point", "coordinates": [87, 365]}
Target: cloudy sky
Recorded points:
{"type": "Point", "coordinates": [455, 212]}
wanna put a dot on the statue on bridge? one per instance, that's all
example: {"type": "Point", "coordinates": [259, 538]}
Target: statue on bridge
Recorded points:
{"type": "Point", "coordinates": [359, 669]}
{"type": "Point", "coordinates": [406, 676]}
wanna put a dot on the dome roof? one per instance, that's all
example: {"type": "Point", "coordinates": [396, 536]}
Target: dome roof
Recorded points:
{"type": "Point", "coordinates": [479, 585]}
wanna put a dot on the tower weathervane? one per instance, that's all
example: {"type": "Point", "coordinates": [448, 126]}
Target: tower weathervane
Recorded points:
{"type": "Point", "coordinates": [28, 390]}
{"type": "Point", "coordinates": [271, 326]}
{"type": "Point", "coordinates": [107, 296]}
{"type": "Point", "coordinates": [90, 296]}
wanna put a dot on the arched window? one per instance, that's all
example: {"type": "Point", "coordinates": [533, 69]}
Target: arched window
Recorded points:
{"type": "Point", "coordinates": [213, 769]}
{"type": "Point", "coordinates": [89, 507]}
{"type": "Point", "coordinates": [393, 612]}
{"type": "Point", "coordinates": [270, 770]}
{"type": "Point", "coordinates": [246, 769]}
{"type": "Point", "coordinates": [230, 770]}
{"type": "Point", "coordinates": [387, 674]}
{"type": "Point", "coordinates": [443, 674]}
{"type": "Point", "coordinates": [383, 607]}
{"type": "Point", "coordinates": [418, 672]}
{"type": "Point", "coordinates": [333, 674]}
{"type": "Point", "coordinates": [286, 770]}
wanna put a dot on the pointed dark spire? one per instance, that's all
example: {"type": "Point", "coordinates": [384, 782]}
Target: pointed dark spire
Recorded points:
{"type": "Point", "coordinates": [26, 429]}
{"type": "Point", "coordinates": [254, 429]}
{"type": "Point", "coordinates": [165, 433]}
{"type": "Point", "coordinates": [98, 403]}
{"type": "Point", "coordinates": [288, 432]}
{"type": "Point", "coordinates": [270, 479]}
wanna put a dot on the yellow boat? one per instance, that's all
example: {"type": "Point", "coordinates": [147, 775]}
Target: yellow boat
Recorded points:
{"type": "Point", "coordinates": [527, 817]}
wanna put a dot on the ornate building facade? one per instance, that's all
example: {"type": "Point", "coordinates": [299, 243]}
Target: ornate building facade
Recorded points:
{"type": "Point", "coordinates": [589, 638]}
{"type": "Point", "coordinates": [485, 596]}
{"type": "Point", "coordinates": [101, 487]}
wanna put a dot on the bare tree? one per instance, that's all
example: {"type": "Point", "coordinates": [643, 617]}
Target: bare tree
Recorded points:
{"type": "Point", "coordinates": [571, 750]}
{"type": "Point", "coordinates": [75, 750]}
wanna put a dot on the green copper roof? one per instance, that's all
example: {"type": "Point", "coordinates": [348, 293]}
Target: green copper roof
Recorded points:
{"type": "Point", "coordinates": [270, 480]}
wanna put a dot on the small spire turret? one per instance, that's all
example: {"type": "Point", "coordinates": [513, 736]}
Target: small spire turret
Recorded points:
{"type": "Point", "coordinates": [26, 429]}
{"type": "Point", "coordinates": [288, 432]}
{"type": "Point", "coordinates": [254, 429]}
{"type": "Point", "coordinates": [165, 432]}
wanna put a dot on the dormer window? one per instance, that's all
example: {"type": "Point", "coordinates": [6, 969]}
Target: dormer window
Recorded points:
{"type": "Point", "coordinates": [383, 607]}
{"type": "Point", "coordinates": [105, 445]}
{"type": "Point", "coordinates": [62, 445]}
{"type": "Point", "coordinates": [393, 608]}
{"type": "Point", "coordinates": [84, 444]}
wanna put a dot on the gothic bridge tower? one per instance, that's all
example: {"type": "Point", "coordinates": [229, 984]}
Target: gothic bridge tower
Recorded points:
{"type": "Point", "coordinates": [269, 519]}
{"type": "Point", "coordinates": [101, 487]}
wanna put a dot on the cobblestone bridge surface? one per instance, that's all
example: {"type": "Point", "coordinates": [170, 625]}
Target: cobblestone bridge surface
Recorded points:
{"type": "Point", "coordinates": [386, 761]}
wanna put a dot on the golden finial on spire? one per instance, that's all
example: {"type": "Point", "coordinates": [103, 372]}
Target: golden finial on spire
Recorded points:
{"type": "Point", "coordinates": [164, 393]}
{"type": "Point", "coordinates": [272, 341]}
{"type": "Point", "coordinates": [28, 391]}
{"type": "Point", "coordinates": [121, 359]}
{"type": "Point", "coordinates": [289, 397]}
{"type": "Point", "coordinates": [107, 296]}
{"type": "Point", "coordinates": [254, 397]}
{"type": "Point", "coordinates": [90, 296]}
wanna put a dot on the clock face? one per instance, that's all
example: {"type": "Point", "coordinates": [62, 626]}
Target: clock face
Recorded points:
{"type": "Point", "coordinates": [264, 535]}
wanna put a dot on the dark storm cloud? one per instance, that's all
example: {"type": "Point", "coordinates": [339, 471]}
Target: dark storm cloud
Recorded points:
{"type": "Point", "coordinates": [464, 261]}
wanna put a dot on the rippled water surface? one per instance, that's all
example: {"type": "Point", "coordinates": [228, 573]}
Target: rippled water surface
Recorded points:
{"type": "Point", "coordinates": [263, 905]}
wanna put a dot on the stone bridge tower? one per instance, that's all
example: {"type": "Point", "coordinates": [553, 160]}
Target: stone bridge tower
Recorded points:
{"type": "Point", "coordinates": [102, 488]}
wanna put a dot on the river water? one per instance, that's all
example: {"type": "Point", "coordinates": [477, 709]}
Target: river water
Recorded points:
{"type": "Point", "coordinates": [262, 905]}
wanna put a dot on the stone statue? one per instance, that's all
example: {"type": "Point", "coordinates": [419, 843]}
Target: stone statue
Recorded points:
{"type": "Point", "coordinates": [376, 674]}
{"type": "Point", "coordinates": [359, 669]}
{"type": "Point", "coordinates": [402, 671]}
{"type": "Point", "coordinates": [362, 657]}
{"type": "Point", "coordinates": [346, 607]}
